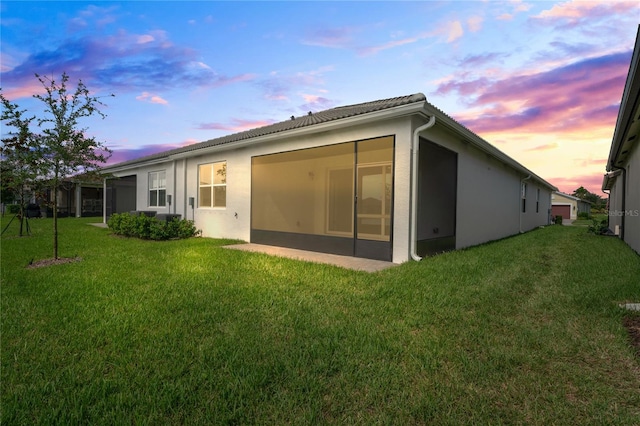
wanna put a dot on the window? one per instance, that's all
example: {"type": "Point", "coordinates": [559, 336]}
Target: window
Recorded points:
{"type": "Point", "coordinates": [538, 201]}
{"type": "Point", "coordinates": [157, 189]}
{"type": "Point", "coordinates": [212, 186]}
{"type": "Point", "coordinates": [524, 197]}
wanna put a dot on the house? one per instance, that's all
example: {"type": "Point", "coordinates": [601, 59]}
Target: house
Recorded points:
{"type": "Point", "coordinates": [393, 179]}
{"type": "Point", "coordinates": [622, 181]}
{"type": "Point", "coordinates": [80, 196]}
{"type": "Point", "coordinates": [568, 206]}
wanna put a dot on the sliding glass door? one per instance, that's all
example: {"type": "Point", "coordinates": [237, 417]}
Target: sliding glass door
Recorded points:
{"type": "Point", "coordinates": [326, 198]}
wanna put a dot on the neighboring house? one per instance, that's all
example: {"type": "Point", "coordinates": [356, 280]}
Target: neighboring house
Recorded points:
{"type": "Point", "coordinates": [568, 206]}
{"type": "Point", "coordinates": [78, 196]}
{"type": "Point", "coordinates": [622, 180]}
{"type": "Point", "coordinates": [392, 179]}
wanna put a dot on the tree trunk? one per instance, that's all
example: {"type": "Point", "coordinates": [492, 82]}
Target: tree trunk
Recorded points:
{"type": "Point", "coordinates": [22, 211]}
{"type": "Point", "coordinates": [55, 220]}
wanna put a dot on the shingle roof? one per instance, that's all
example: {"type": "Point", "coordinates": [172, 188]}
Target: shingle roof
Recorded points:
{"type": "Point", "coordinates": [309, 119]}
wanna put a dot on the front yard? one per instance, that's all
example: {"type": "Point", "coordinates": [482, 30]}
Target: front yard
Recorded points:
{"type": "Point", "coordinates": [526, 330]}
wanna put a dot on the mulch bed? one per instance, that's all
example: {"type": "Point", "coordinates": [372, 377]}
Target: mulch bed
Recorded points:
{"type": "Point", "coordinates": [49, 262]}
{"type": "Point", "coordinates": [632, 324]}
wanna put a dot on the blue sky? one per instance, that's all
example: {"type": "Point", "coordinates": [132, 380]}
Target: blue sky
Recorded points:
{"type": "Point", "coordinates": [540, 80]}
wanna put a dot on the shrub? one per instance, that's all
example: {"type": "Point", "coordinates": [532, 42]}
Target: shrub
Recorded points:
{"type": "Point", "coordinates": [584, 215]}
{"type": "Point", "coordinates": [150, 228]}
{"type": "Point", "coordinates": [598, 227]}
{"type": "Point", "coordinates": [13, 208]}
{"type": "Point", "coordinates": [558, 220]}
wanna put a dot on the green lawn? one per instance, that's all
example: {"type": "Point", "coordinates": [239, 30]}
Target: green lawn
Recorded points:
{"type": "Point", "coordinates": [526, 330]}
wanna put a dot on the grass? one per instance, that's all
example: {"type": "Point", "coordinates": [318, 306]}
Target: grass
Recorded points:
{"type": "Point", "coordinates": [587, 222]}
{"type": "Point", "coordinates": [526, 330]}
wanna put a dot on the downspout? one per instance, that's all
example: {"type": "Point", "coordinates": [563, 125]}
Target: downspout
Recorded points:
{"type": "Point", "coordinates": [175, 199]}
{"type": "Point", "coordinates": [604, 191]}
{"type": "Point", "coordinates": [623, 205]}
{"type": "Point", "coordinates": [520, 204]}
{"type": "Point", "coordinates": [415, 147]}
{"type": "Point", "coordinates": [184, 181]}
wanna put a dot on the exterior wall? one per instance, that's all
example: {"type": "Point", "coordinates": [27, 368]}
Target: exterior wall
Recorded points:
{"type": "Point", "coordinates": [632, 202]}
{"type": "Point", "coordinates": [488, 194]}
{"type": "Point", "coordinates": [234, 221]}
{"type": "Point", "coordinates": [615, 206]}
{"type": "Point", "coordinates": [488, 191]}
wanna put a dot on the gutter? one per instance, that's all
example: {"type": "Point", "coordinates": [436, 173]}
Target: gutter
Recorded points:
{"type": "Point", "coordinates": [415, 147]}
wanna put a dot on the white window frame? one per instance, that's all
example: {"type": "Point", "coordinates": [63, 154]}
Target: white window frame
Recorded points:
{"type": "Point", "coordinates": [212, 185]}
{"type": "Point", "coordinates": [161, 178]}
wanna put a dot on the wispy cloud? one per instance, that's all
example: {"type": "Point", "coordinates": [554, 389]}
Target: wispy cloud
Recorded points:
{"type": "Point", "coordinates": [575, 12]}
{"type": "Point", "coordinates": [568, 184]}
{"type": "Point", "coordinates": [236, 125]}
{"type": "Point", "coordinates": [545, 147]}
{"type": "Point", "coordinates": [123, 153]}
{"type": "Point", "coordinates": [120, 61]}
{"type": "Point", "coordinates": [316, 103]}
{"type": "Point", "coordinates": [154, 99]}
{"type": "Point", "coordinates": [279, 86]}
{"type": "Point", "coordinates": [337, 38]}
{"type": "Point", "coordinates": [581, 95]}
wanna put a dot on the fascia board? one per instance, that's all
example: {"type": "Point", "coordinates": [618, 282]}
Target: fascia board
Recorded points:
{"type": "Point", "coordinates": [486, 147]}
{"type": "Point", "coordinates": [627, 105]}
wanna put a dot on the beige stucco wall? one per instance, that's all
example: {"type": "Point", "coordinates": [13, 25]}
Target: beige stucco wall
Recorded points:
{"type": "Point", "coordinates": [560, 200]}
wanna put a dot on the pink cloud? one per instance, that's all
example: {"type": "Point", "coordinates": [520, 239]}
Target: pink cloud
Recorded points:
{"type": "Point", "coordinates": [574, 11]}
{"type": "Point", "coordinates": [574, 97]}
{"type": "Point", "coordinates": [122, 154]}
{"type": "Point", "coordinates": [337, 38]}
{"type": "Point", "coordinates": [568, 184]}
{"type": "Point", "coordinates": [154, 99]}
{"type": "Point", "coordinates": [545, 147]}
{"type": "Point", "coordinates": [372, 50]}
{"type": "Point", "coordinates": [238, 125]}
{"type": "Point", "coordinates": [475, 23]}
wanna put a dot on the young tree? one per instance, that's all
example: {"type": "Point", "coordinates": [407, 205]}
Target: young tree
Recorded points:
{"type": "Point", "coordinates": [20, 157]}
{"type": "Point", "coordinates": [65, 147]}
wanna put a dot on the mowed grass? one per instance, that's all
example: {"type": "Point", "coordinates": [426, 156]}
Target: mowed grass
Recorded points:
{"type": "Point", "coordinates": [526, 330]}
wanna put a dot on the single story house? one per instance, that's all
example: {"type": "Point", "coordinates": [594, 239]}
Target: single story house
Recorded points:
{"type": "Point", "coordinates": [568, 206]}
{"type": "Point", "coordinates": [622, 180]}
{"type": "Point", "coordinates": [80, 196]}
{"type": "Point", "coordinates": [393, 179]}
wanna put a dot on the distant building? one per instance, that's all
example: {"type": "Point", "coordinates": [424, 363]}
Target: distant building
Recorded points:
{"type": "Point", "coordinates": [622, 180]}
{"type": "Point", "coordinates": [392, 179]}
{"type": "Point", "coordinates": [568, 206]}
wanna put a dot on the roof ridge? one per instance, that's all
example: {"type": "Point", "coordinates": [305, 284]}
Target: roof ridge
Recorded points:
{"type": "Point", "coordinates": [305, 120]}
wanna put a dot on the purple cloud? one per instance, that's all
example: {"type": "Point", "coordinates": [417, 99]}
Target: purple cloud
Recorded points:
{"type": "Point", "coordinates": [572, 97]}
{"type": "Point", "coordinates": [123, 61]}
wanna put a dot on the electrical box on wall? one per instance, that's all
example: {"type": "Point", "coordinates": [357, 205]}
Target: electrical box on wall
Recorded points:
{"type": "Point", "coordinates": [191, 201]}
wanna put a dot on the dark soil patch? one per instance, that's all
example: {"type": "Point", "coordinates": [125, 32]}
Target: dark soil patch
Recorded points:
{"type": "Point", "coordinates": [632, 324]}
{"type": "Point", "coordinates": [49, 262]}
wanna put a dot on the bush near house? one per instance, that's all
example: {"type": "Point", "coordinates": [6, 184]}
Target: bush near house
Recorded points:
{"type": "Point", "coordinates": [584, 215]}
{"type": "Point", "coordinates": [558, 220]}
{"type": "Point", "coordinates": [150, 228]}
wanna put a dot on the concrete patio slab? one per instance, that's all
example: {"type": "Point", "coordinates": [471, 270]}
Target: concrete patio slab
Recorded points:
{"type": "Point", "coordinates": [348, 262]}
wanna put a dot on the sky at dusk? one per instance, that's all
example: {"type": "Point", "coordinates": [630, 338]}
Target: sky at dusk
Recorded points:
{"type": "Point", "coordinates": [540, 80]}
